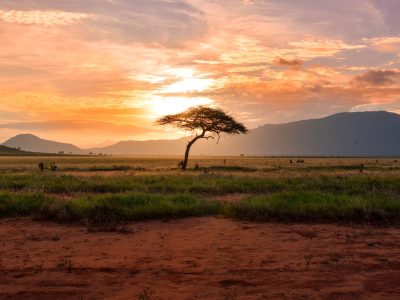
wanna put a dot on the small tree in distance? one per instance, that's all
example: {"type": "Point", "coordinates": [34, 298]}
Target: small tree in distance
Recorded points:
{"type": "Point", "coordinates": [205, 122]}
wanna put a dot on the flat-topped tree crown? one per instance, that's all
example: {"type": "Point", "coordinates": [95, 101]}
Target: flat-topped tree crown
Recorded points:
{"type": "Point", "coordinates": [207, 119]}
{"type": "Point", "coordinates": [207, 122]}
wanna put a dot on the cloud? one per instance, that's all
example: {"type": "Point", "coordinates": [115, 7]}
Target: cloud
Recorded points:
{"type": "Point", "coordinates": [389, 11]}
{"type": "Point", "coordinates": [43, 18]}
{"type": "Point", "coordinates": [312, 47]}
{"type": "Point", "coordinates": [71, 125]}
{"type": "Point", "coordinates": [378, 77]}
{"type": "Point", "coordinates": [294, 63]}
{"type": "Point", "coordinates": [385, 44]}
{"type": "Point", "coordinates": [110, 62]}
{"type": "Point", "coordinates": [162, 22]}
{"type": "Point", "coordinates": [340, 19]}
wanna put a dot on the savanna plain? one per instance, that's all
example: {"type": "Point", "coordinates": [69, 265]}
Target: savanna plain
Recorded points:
{"type": "Point", "coordinates": [102, 227]}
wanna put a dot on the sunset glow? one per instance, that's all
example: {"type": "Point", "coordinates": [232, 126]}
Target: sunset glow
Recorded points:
{"type": "Point", "coordinates": [90, 71]}
{"type": "Point", "coordinates": [171, 105]}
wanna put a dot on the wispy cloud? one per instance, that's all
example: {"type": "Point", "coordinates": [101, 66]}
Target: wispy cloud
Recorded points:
{"type": "Point", "coordinates": [42, 18]}
{"type": "Point", "coordinates": [161, 22]}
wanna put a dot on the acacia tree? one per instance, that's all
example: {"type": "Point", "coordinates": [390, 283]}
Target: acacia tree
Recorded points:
{"type": "Point", "coordinates": [205, 122]}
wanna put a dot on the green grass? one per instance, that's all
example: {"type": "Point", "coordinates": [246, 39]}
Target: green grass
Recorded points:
{"type": "Point", "coordinates": [177, 183]}
{"type": "Point", "coordinates": [211, 184]}
{"type": "Point", "coordinates": [287, 207]}
{"type": "Point", "coordinates": [112, 190]}
{"type": "Point", "coordinates": [317, 207]}
{"type": "Point", "coordinates": [114, 208]}
{"type": "Point", "coordinates": [21, 205]}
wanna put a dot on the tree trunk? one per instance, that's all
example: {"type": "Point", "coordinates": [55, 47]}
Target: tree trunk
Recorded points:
{"type": "Point", "coordinates": [185, 161]}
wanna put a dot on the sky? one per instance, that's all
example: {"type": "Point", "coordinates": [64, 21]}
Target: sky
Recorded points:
{"type": "Point", "coordinates": [94, 72]}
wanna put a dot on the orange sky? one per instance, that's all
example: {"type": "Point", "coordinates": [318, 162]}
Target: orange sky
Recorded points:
{"type": "Point", "coordinates": [92, 71]}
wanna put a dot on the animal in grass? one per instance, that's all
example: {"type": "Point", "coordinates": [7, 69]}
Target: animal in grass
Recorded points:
{"type": "Point", "coordinates": [361, 168]}
{"type": "Point", "coordinates": [41, 166]}
{"type": "Point", "coordinates": [300, 161]}
{"type": "Point", "coordinates": [180, 165]}
{"type": "Point", "coordinates": [53, 167]}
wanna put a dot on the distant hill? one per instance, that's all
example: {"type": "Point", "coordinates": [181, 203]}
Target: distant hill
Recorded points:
{"type": "Point", "coordinates": [151, 147]}
{"type": "Point", "coordinates": [29, 142]}
{"type": "Point", "coordinates": [343, 134]}
{"type": "Point", "coordinates": [7, 151]}
{"type": "Point", "coordinates": [4, 150]}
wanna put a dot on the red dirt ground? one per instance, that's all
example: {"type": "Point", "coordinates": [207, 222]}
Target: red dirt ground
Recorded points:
{"type": "Point", "coordinates": [199, 258]}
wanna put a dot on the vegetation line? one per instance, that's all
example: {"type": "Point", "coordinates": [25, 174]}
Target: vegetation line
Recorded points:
{"type": "Point", "coordinates": [200, 185]}
{"type": "Point", "coordinates": [311, 206]}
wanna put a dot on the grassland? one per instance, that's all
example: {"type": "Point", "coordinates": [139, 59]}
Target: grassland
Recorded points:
{"type": "Point", "coordinates": [111, 190]}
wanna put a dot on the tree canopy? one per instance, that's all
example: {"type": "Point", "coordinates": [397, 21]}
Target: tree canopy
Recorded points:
{"type": "Point", "coordinates": [206, 119]}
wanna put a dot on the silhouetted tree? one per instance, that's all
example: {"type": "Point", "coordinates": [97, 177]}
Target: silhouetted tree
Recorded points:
{"type": "Point", "coordinates": [206, 122]}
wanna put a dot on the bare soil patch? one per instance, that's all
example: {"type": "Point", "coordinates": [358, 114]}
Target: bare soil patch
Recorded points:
{"type": "Point", "coordinates": [198, 258]}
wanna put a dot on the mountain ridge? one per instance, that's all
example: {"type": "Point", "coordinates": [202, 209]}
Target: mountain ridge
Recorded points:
{"type": "Point", "coordinates": [343, 134]}
{"type": "Point", "coordinates": [37, 144]}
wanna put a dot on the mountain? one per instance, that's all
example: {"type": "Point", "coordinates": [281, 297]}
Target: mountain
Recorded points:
{"type": "Point", "coordinates": [343, 134]}
{"type": "Point", "coordinates": [29, 142]}
{"type": "Point", "coordinates": [151, 147]}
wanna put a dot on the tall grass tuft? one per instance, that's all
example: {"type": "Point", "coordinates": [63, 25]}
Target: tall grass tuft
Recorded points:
{"type": "Point", "coordinates": [112, 208]}
{"type": "Point", "coordinates": [317, 207]}
{"type": "Point", "coordinates": [21, 204]}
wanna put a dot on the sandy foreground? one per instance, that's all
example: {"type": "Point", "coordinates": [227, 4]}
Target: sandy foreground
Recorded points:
{"type": "Point", "coordinates": [198, 258]}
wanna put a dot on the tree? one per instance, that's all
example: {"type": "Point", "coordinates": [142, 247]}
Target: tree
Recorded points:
{"type": "Point", "coordinates": [205, 122]}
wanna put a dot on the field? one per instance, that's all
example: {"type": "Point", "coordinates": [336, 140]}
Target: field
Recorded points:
{"type": "Point", "coordinates": [228, 228]}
